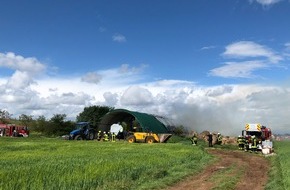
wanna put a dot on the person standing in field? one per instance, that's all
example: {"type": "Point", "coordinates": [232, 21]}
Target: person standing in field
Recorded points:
{"type": "Point", "coordinates": [209, 140]}
{"type": "Point", "coordinates": [219, 139]}
{"type": "Point", "coordinates": [113, 137]}
{"type": "Point", "coordinates": [99, 135]}
{"type": "Point", "coordinates": [106, 137]}
{"type": "Point", "coordinates": [241, 142]}
{"type": "Point", "coordinates": [254, 144]}
{"type": "Point", "coordinates": [194, 139]}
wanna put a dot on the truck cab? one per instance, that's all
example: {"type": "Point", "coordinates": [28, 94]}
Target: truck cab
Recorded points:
{"type": "Point", "coordinates": [261, 133]}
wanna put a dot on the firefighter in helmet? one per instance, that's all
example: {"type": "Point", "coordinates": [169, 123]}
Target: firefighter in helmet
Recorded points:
{"type": "Point", "coordinates": [113, 137]}
{"type": "Point", "coordinates": [105, 137]}
{"type": "Point", "coordinates": [194, 139]}
{"type": "Point", "coordinates": [99, 135]}
{"type": "Point", "coordinates": [210, 140]}
{"type": "Point", "coordinates": [254, 144]}
{"type": "Point", "coordinates": [246, 146]}
{"type": "Point", "coordinates": [219, 139]}
{"type": "Point", "coordinates": [241, 142]}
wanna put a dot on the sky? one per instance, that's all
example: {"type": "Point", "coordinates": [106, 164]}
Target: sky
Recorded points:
{"type": "Point", "coordinates": [206, 65]}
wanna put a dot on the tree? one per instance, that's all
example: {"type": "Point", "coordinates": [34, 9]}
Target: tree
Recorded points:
{"type": "Point", "coordinates": [41, 124]}
{"type": "Point", "coordinates": [5, 116]}
{"type": "Point", "coordinates": [58, 126]}
{"type": "Point", "coordinates": [93, 114]}
{"type": "Point", "coordinates": [25, 119]}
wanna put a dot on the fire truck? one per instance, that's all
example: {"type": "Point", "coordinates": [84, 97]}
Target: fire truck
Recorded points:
{"type": "Point", "coordinates": [262, 134]}
{"type": "Point", "coordinates": [13, 130]}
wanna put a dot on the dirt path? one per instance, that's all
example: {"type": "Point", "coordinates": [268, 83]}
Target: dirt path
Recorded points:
{"type": "Point", "coordinates": [248, 171]}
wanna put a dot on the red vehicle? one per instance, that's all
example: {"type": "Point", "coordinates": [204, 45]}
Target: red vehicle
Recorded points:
{"type": "Point", "coordinates": [261, 133]}
{"type": "Point", "coordinates": [12, 130]}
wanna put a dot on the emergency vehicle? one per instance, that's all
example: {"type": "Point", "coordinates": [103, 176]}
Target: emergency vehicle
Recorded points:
{"type": "Point", "coordinates": [13, 130]}
{"type": "Point", "coordinates": [262, 134]}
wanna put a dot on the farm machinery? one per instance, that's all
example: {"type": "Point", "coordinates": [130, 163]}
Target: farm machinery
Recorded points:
{"type": "Point", "coordinates": [13, 130]}
{"type": "Point", "coordinates": [83, 131]}
{"type": "Point", "coordinates": [261, 134]}
{"type": "Point", "coordinates": [146, 137]}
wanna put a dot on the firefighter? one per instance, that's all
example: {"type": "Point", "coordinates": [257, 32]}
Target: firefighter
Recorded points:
{"type": "Point", "coordinates": [99, 135]}
{"type": "Point", "coordinates": [246, 146]}
{"type": "Point", "coordinates": [219, 139]}
{"type": "Point", "coordinates": [209, 140]}
{"type": "Point", "coordinates": [194, 139]}
{"type": "Point", "coordinates": [241, 142]}
{"type": "Point", "coordinates": [254, 144]}
{"type": "Point", "coordinates": [105, 137]}
{"type": "Point", "coordinates": [109, 136]}
{"type": "Point", "coordinates": [113, 137]}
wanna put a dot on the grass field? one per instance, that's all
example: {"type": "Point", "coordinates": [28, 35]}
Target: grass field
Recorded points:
{"type": "Point", "coordinates": [47, 163]}
{"type": "Point", "coordinates": [43, 163]}
{"type": "Point", "coordinates": [280, 171]}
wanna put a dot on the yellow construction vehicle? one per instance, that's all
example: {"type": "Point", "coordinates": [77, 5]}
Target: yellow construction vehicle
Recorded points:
{"type": "Point", "coordinates": [147, 137]}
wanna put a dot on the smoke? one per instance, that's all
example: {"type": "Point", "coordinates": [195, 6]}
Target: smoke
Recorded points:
{"type": "Point", "coordinates": [225, 109]}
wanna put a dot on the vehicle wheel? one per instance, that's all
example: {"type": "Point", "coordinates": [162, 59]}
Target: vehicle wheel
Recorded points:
{"type": "Point", "coordinates": [78, 137]}
{"type": "Point", "coordinates": [150, 140]}
{"type": "Point", "coordinates": [91, 135]}
{"type": "Point", "coordinates": [131, 139]}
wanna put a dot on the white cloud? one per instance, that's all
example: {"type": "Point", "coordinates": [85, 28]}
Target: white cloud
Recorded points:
{"type": "Point", "coordinates": [25, 69]}
{"type": "Point", "coordinates": [246, 49]}
{"type": "Point", "coordinates": [218, 108]}
{"type": "Point", "coordinates": [207, 47]}
{"type": "Point", "coordinates": [249, 57]}
{"type": "Point", "coordinates": [136, 95]}
{"type": "Point", "coordinates": [119, 38]}
{"type": "Point", "coordinates": [238, 69]}
{"type": "Point", "coordinates": [92, 77]}
{"type": "Point", "coordinates": [224, 108]}
{"type": "Point", "coordinates": [287, 45]}
{"type": "Point", "coordinates": [126, 69]}
{"type": "Point", "coordinates": [266, 2]}
{"type": "Point", "coordinates": [19, 80]}
{"type": "Point", "coordinates": [111, 99]}
{"type": "Point", "coordinates": [16, 62]}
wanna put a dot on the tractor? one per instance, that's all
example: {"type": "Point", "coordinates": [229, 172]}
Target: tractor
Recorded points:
{"type": "Point", "coordinates": [83, 131]}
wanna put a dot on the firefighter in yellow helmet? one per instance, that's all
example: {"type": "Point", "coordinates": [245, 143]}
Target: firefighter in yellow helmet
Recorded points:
{"type": "Point", "coordinates": [219, 139]}
{"type": "Point", "coordinates": [99, 135]}
{"type": "Point", "coordinates": [254, 144]}
{"type": "Point", "coordinates": [194, 139]}
{"type": "Point", "coordinates": [241, 142]}
{"type": "Point", "coordinates": [105, 137]}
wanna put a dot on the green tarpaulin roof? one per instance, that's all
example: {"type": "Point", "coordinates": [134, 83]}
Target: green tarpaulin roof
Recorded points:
{"type": "Point", "coordinates": [147, 122]}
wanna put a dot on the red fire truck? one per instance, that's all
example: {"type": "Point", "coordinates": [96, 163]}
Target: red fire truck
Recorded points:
{"type": "Point", "coordinates": [13, 130]}
{"type": "Point", "coordinates": [263, 135]}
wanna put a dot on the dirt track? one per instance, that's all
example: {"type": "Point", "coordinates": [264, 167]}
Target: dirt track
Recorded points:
{"type": "Point", "coordinates": [249, 170]}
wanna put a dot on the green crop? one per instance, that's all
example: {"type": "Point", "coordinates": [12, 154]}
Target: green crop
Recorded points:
{"type": "Point", "coordinates": [279, 177]}
{"type": "Point", "coordinates": [43, 163]}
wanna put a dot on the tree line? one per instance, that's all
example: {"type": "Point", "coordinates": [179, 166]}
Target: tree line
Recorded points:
{"type": "Point", "coordinates": [58, 124]}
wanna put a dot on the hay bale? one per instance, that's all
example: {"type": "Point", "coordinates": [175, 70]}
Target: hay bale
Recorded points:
{"type": "Point", "coordinates": [229, 140]}
{"type": "Point", "coordinates": [214, 139]}
{"type": "Point", "coordinates": [204, 135]}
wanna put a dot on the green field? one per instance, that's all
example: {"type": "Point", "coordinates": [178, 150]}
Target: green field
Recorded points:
{"type": "Point", "coordinates": [47, 163]}
{"type": "Point", "coordinates": [43, 163]}
{"type": "Point", "coordinates": [279, 177]}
